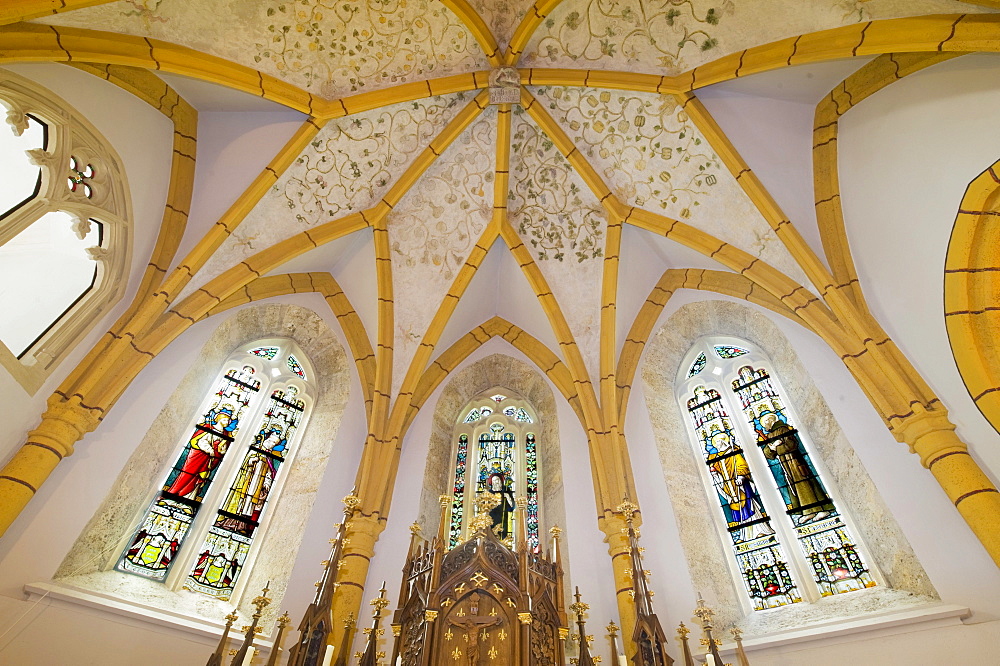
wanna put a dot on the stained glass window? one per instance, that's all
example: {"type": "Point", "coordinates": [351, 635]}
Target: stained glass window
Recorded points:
{"type": "Point", "coordinates": [759, 555]}
{"type": "Point", "coordinates": [826, 541]}
{"type": "Point", "coordinates": [496, 474]}
{"type": "Point", "coordinates": [162, 530]}
{"type": "Point", "coordinates": [489, 460]}
{"type": "Point", "coordinates": [730, 351]}
{"type": "Point", "coordinates": [223, 553]}
{"type": "Point", "coordinates": [698, 365]}
{"type": "Point", "coordinates": [531, 475]}
{"type": "Point", "coordinates": [458, 493]}
{"type": "Point", "coordinates": [294, 366]}
{"type": "Point", "coordinates": [265, 352]}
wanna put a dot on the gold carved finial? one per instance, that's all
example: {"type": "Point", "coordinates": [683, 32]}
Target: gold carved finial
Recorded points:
{"type": "Point", "coordinates": [415, 528]}
{"type": "Point", "coordinates": [612, 628]}
{"type": "Point", "coordinates": [627, 508]}
{"type": "Point", "coordinates": [737, 634]}
{"type": "Point", "coordinates": [263, 599]}
{"type": "Point", "coordinates": [430, 615]}
{"type": "Point", "coordinates": [556, 532]}
{"type": "Point", "coordinates": [482, 520]}
{"type": "Point", "coordinates": [521, 502]}
{"type": "Point", "coordinates": [396, 629]}
{"type": "Point", "coordinates": [524, 618]}
{"type": "Point", "coordinates": [351, 502]}
{"type": "Point", "coordinates": [578, 606]}
{"type": "Point", "coordinates": [703, 612]}
{"type": "Point", "coordinates": [682, 632]}
{"type": "Point", "coordinates": [349, 620]}
{"type": "Point", "coordinates": [379, 602]}
{"type": "Point", "coordinates": [444, 501]}
{"type": "Point", "coordinates": [284, 620]}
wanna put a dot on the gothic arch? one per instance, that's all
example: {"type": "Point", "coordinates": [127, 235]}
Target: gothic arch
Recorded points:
{"type": "Point", "coordinates": [88, 558]}
{"type": "Point", "coordinates": [704, 552]}
{"type": "Point", "coordinates": [496, 370]}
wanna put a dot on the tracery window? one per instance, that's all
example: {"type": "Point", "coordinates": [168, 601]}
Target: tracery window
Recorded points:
{"type": "Point", "coordinates": [789, 538]}
{"type": "Point", "coordinates": [64, 228]}
{"type": "Point", "coordinates": [496, 452]}
{"type": "Point", "coordinates": [199, 529]}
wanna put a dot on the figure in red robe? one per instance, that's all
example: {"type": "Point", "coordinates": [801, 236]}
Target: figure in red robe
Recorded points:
{"type": "Point", "coordinates": [205, 450]}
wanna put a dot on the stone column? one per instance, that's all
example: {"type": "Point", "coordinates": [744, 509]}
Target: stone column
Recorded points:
{"type": "Point", "coordinates": [616, 536]}
{"type": "Point", "coordinates": [932, 437]}
{"type": "Point", "coordinates": [63, 424]}
{"type": "Point", "coordinates": [360, 536]}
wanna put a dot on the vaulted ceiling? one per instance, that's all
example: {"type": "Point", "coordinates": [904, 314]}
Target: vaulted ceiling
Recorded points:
{"type": "Point", "coordinates": [468, 210]}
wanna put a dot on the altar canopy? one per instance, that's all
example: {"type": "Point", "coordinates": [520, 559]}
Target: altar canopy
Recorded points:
{"type": "Point", "coordinates": [481, 602]}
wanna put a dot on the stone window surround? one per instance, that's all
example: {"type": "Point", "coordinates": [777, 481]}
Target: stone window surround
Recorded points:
{"type": "Point", "coordinates": [86, 576]}
{"type": "Point", "coordinates": [68, 133]}
{"type": "Point", "coordinates": [907, 586]}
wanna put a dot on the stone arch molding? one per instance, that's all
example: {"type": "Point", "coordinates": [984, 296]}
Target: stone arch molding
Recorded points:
{"type": "Point", "coordinates": [88, 565]}
{"type": "Point", "coordinates": [497, 371]}
{"type": "Point", "coordinates": [907, 583]}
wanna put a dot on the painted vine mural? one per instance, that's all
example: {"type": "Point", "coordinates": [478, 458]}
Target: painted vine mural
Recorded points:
{"type": "Point", "coordinates": [645, 145]}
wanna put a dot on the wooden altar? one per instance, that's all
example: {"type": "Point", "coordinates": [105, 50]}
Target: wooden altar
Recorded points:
{"type": "Point", "coordinates": [481, 603]}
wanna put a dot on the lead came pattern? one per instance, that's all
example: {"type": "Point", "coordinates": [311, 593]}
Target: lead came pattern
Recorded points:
{"type": "Point", "coordinates": [458, 493]}
{"type": "Point", "coordinates": [162, 530]}
{"type": "Point", "coordinates": [826, 541]}
{"type": "Point", "coordinates": [760, 557]}
{"type": "Point", "coordinates": [224, 551]}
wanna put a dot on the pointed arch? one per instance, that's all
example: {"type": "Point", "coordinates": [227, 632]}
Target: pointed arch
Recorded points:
{"type": "Point", "coordinates": [665, 357]}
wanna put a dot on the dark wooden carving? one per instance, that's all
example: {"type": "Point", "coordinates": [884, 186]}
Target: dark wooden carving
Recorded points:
{"type": "Point", "coordinates": [479, 604]}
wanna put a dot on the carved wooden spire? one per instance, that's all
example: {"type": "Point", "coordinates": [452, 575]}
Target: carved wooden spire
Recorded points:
{"type": "Point", "coordinates": [648, 635]}
{"type": "Point", "coordinates": [580, 608]}
{"type": "Point", "coordinates": [317, 621]}
{"type": "Point", "coordinates": [372, 656]}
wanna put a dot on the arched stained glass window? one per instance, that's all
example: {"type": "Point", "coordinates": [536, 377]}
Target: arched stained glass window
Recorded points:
{"type": "Point", "coordinates": [214, 499]}
{"type": "Point", "coordinates": [760, 558]}
{"type": "Point", "coordinates": [505, 464]}
{"type": "Point", "coordinates": [772, 494]}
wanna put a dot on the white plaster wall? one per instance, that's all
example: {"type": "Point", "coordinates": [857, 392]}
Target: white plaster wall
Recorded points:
{"type": "Point", "coordinates": [907, 154]}
{"type": "Point", "coordinates": [233, 148]}
{"type": "Point", "coordinates": [143, 138]}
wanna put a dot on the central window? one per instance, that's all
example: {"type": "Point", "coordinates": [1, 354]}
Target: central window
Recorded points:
{"type": "Point", "coordinates": [496, 453]}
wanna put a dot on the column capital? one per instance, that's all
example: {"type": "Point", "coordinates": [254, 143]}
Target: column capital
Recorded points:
{"type": "Point", "coordinates": [65, 421]}
{"type": "Point", "coordinates": [929, 434]}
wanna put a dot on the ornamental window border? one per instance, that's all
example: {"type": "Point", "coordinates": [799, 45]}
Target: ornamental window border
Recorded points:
{"type": "Point", "coordinates": [69, 136]}
{"type": "Point", "coordinates": [684, 386]}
